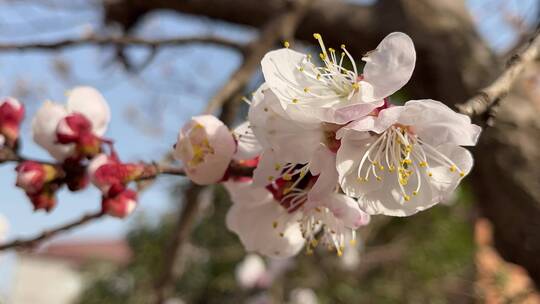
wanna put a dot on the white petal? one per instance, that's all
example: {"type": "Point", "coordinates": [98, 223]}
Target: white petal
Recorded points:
{"type": "Point", "coordinates": [248, 146]}
{"type": "Point", "coordinates": [389, 66]}
{"type": "Point", "coordinates": [347, 210]}
{"type": "Point", "coordinates": [254, 225]}
{"type": "Point", "coordinates": [323, 164]}
{"type": "Point", "coordinates": [44, 129]}
{"type": "Point", "coordinates": [353, 147]}
{"type": "Point", "coordinates": [292, 141]}
{"type": "Point", "coordinates": [244, 193]}
{"type": "Point", "coordinates": [250, 271]}
{"type": "Point", "coordinates": [89, 102]}
{"type": "Point", "coordinates": [268, 169]}
{"type": "Point", "coordinates": [437, 124]}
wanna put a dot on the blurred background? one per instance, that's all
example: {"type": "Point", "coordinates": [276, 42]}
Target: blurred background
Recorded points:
{"type": "Point", "coordinates": [483, 246]}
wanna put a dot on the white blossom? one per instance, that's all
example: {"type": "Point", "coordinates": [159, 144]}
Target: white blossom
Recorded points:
{"type": "Point", "coordinates": [406, 159]}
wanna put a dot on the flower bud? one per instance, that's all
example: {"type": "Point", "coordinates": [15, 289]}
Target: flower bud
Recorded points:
{"type": "Point", "coordinates": [32, 176]}
{"type": "Point", "coordinates": [119, 202]}
{"type": "Point", "coordinates": [11, 115]}
{"type": "Point", "coordinates": [106, 171]}
{"type": "Point", "coordinates": [205, 146]}
{"type": "Point", "coordinates": [44, 199]}
{"type": "Point", "coordinates": [77, 129]}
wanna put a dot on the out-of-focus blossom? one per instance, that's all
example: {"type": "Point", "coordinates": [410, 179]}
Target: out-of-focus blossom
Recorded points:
{"type": "Point", "coordinates": [33, 176]}
{"type": "Point", "coordinates": [333, 93]}
{"type": "Point", "coordinates": [4, 227]}
{"type": "Point", "coordinates": [119, 201]}
{"type": "Point", "coordinates": [74, 130]}
{"type": "Point", "coordinates": [44, 199]}
{"type": "Point", "coordinates": [303, 296]}
{"type": "Point", "coordinates": [106, 171]}
{"type": "Point", "coordinates": [206, 147]}
{"type": "Point", "coordinates": [407, 158]}
{"type": "Point", "coordinates": [250, 271]}
{"type": "Point", "coordinates": [11, 116]}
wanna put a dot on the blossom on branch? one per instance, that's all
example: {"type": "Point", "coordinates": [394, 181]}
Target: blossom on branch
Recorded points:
{"type": "Point", "coordinates": [11, 116]}
{"type": "Point", "coordinates": [206, 147]}
{"type": "Point", "coordinates": [75, 130]}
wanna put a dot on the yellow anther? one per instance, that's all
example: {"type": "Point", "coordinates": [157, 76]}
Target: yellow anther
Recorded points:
{"type": "Point", "coordinates": [407, 198]}
{"type": "Point", "coordinates": [462, 174]}
{"type": "Point", "coordinates": [423, 164]}
{"type": "Point", "coordinates": [392, 168]}
{"type": "Point", "coordinates": [323, 56]}
{"type": "Point", "coordinates": [342, 46]}
{"type": "Point", "coordinates": [287, 191]}
{"type": "Point", "coordinates": [415, 193]}
{"type": "Point", "coordinates": [314, 243]}
{"type": "Point", "coordinates": [274, 224]}
{"type": "Point", "coordinates": [317, 36]}
{"type": "Point", "coordinates": [301, 69]}
{"type": "Point", "coordinates": [306, 89]}
{"type": "Point", "coordinates": [286, 44]}
{"type": "Point", "coordinates": [379, 178]}
{"type": "Point", "coordinates": [356, 86]}
{"type": "Point", "coordinates": [309, 56]}
{"type": "Point", "coordinates": [381, 167]}
{"type": "Point", "coordinates": [331, 50]}
{"type": "Point", "coordinates": [453, 168]}
{"type": "Point", "coordinates": [318, 76]}
{"type": "Point", "coordinates": [270, 178]}
{"type": "Point", "coordinates": [352, 242]}
{"type": "Point", "coordinates": [295, 100]}
{"type": "Point", "coordinates": [281, 234]}
{"type": "Point", "coordinates": [360, 179]}
{"type": "Point", "coordinates": [287, 177]}
{"type": "Point", "coordinates": [430, 174]}
{"type": "Point", "coordinates": [277, 167]}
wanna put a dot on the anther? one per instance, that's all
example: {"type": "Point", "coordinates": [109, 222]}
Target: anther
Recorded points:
{"type": "Point", "coordinates": [286, 44]}
{"type": "Point", "coordinates": [274, 224]}
{"type": "Point", "coordinates": [317, 36]}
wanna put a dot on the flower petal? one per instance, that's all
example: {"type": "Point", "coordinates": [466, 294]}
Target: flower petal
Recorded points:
{"type": "Point", "coordinates": [89, 102]}
{"type": "Point", "coordinates": [437, 124]}
{"type": "Point", "coordinates": [247, 145]}
{"type": "Point", "coordinates": [346, 209]}
{"type": "Point", "coordinates": [389, 66]}
{"type": "Point", "coordinates": [323, 164]}
{"type": "Point", "coordinates": [44, 130]}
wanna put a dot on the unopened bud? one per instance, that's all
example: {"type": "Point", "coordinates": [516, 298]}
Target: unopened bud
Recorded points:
{"type": "Point", "coordinates": [106, 171]}
{"type": "Point", "coordinates": [77, 129]}
{"type": "Point", "coordinates": [45, 200]}
{"type": "Point", "coordinates": [33, 176]}
{"type": "Point", "coordinates": [11, 116]}
{"type": "Point", "coordinates": [205, 146]}
{"type": "Point", "coordinates": [120, 204]}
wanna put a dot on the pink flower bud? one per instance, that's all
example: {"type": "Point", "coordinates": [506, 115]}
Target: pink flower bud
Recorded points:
{"type": "Point", "coordinates": [11, 116]}
{"type": "Point", "coordinates": [119, 202]}
{"type": "Point", "coordinates": [77, 129]}
{"type": "Point", "coordinates": [205, 146]}
{"type": "Point", "coordinates": [32, 176]}
{"type": "Point", "coordinates": [43, 200]}
{"type": "Point", "coordinates": [106, 171]}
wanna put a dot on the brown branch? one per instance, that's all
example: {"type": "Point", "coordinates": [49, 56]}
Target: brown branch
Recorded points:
{"type": "Point", "coordinates": [275, 30]}
{"type": "Point", "coordinates": [47, 234]}
{"type": "Point", "coordinates": [120, 42]}
{"type": "Point", "coordinates": [489, 96]}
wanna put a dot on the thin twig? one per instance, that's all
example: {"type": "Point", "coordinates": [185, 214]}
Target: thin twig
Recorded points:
{"type": "Point", "coordinates": [489, 96]}
{"type": "Point", "coordinates": [120, 42]}
{"type": "Point", "coordinates": [47, 234]}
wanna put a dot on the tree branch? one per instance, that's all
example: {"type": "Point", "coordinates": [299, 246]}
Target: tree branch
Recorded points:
{"type": "Point", "coordinates": [489, 96]}
{"type": "Point", "coordinates": [121, 42]}
{"type": "Point", "coordinates": [31, 242]}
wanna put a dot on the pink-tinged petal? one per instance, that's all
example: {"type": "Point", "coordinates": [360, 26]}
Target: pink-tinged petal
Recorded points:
{"type": "Point", "coordinates": [206, 147]}
{"type": "Point", "coordinates": [347, 210]}
{"type": "Point", "coordinates": [268, 169]}
{"type": "Point", "coordinates": [323, 165]}
{"type": "Point", "coordinates": [292, 141]}
{"type": "Point", "coordinates": [121, 204]}
{"type": "Point", "coordinates": [44, 127]}
{"type": "Point", "coordinates": [389, 67]}
{"type": "Point", "coordinates": [247, 145]}
{"type": "Point", "coordinates": [245, 193]}
{"type": "Point", "coordinates": [261, 229]}
{"type": "Point", "coordinates": [89, 102]}
{"type": "Point", "coordinates": [437, 124]}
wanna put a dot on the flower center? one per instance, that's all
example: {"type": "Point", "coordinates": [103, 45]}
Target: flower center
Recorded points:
{"type": "Point", "coordinates": [327, 84]}
{"type": "Point", "coordinates": [401, 151]}
{"type": "Point", "coordinates": [197, 143]}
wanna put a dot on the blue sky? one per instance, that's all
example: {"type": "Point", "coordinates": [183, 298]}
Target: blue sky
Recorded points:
{"type": "Point", "coordinates": [172, 89]}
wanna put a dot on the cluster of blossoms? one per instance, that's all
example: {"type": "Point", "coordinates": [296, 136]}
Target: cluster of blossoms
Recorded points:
{"type": "Point", "coordinates": [73, 136]}
{"type": "Point", "coordinates": [330, 149]}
